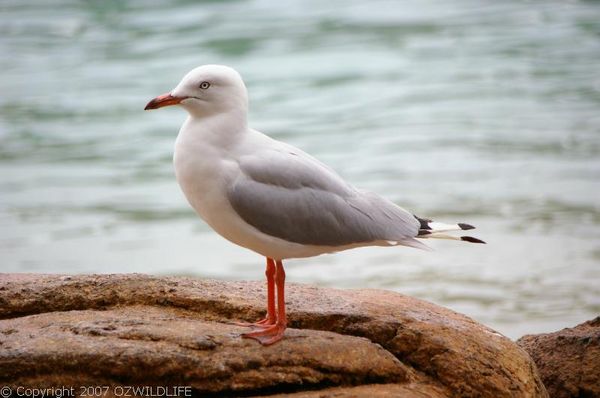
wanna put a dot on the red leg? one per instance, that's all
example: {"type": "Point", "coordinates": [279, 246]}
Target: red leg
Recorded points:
{"type": "Point", "coordinates": [274, 333]}
{"type": "Point", "coordinates": [271, 317]}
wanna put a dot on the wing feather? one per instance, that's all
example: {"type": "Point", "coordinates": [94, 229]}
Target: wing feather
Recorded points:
{"type": "Point", "coordinates": [292, 196]}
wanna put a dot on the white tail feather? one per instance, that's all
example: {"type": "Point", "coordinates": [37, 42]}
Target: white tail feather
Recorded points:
{"type": "Point", "coordinates": [437, 235]}
{"type": "Point", "coordinates": [441, 227]}
{"type": "Point", "coordinates": [434, 230]}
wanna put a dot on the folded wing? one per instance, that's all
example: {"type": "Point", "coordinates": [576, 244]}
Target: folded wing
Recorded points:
{"type": "Point", "coordinates": [290, 195]}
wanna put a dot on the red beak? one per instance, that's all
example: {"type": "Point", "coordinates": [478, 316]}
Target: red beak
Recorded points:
{"type": "Point", "coordinates": [163, 100]}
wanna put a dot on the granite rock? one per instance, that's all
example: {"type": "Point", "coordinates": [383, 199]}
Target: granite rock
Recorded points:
{"type": "Point", "coordinates": [132, 329]}
{"type": "Point", "coordinates": [568, 360]}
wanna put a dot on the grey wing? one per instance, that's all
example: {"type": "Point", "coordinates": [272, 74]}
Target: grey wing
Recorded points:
{"type": "Point", "coordinates": [292, 196]}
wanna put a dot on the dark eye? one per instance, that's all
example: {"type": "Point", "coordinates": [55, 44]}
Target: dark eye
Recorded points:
{"type": "Point", "coordinates": [204, 85]}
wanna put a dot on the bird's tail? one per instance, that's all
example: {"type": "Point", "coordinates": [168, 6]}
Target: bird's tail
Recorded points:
{"type": "Point", "coordinates": [435, 230]}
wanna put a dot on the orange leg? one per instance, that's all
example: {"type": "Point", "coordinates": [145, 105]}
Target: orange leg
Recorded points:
{"type": "Point", "coordinates": [271, 317]}
{"type": "Point", "coordinates": [274, 333]}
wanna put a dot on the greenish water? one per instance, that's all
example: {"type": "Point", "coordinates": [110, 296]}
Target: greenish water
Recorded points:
{"type": "Point", "coordinates": [476, 111]}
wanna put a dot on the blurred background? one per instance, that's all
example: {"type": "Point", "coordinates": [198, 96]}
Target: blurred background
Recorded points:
{"type": "Point", "coordinates": [483, 112]}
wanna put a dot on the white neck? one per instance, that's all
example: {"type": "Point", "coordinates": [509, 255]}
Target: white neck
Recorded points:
{"type": "Point", "coordinates": [217, 131]}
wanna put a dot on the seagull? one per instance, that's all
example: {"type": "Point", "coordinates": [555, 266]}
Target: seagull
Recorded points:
{"type": "Point", "coordinates": [271, 197]}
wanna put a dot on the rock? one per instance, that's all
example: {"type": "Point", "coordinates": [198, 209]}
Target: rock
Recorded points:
{"type": "Point", "coordinates": [568, 360]}
{"type": "Point", "coordinates": [138, 344]}
{"type": "Point", "coordinates": [117, 330]}
{"type": "Point", "coordinates": [412, 390]}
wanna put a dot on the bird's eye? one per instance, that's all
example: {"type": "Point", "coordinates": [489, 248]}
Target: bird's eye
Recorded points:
{"type": "Point", "coordinates": [204, 85]}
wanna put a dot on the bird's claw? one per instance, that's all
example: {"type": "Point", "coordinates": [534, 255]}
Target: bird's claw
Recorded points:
{"type": "Point", "coordinates": [267, 336]}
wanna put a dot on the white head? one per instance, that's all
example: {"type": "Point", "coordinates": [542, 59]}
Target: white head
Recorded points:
{"type": "Point", "coordinates": [207, 90]}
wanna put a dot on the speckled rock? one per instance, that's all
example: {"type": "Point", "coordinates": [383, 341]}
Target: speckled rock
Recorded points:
{"type": "Point", "coordinates": [568, 360]}
{"type": "Point", "coordinates": [143, 330]}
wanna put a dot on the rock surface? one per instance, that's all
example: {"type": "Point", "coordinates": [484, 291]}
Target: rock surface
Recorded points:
{"type": "Point", "coordinates": [135, 329]}
{"type": "Point", "coordinates": [568, 360]}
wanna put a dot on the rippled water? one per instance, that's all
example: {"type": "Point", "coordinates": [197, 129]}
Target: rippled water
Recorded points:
{"type": "Point", "coordinates": [477, 111]}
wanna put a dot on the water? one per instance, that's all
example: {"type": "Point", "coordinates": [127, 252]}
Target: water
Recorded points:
{"type": "Point", "coordinates": [482, 112]}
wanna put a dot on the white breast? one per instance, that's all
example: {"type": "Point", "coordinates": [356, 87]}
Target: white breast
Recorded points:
{"type": "Point", "coordinates": [203, 173]}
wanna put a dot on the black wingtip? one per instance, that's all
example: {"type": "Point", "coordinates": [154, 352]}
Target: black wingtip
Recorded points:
{"type": "Point", "coordinates": [465, 227]}
{"type": "Point", "coordinates": [471, 239]}
{"type": "Point", "coordinates": [423, 221]}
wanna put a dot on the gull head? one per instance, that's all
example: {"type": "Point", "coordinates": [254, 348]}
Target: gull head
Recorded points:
{"type": "Point", "coordinates": [205, 91]}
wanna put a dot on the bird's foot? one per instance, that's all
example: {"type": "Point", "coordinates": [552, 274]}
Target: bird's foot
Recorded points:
{"type": "Point", "coordinates": [269, 335]}
{"type": "Point", "coordinates": [263, 323]}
